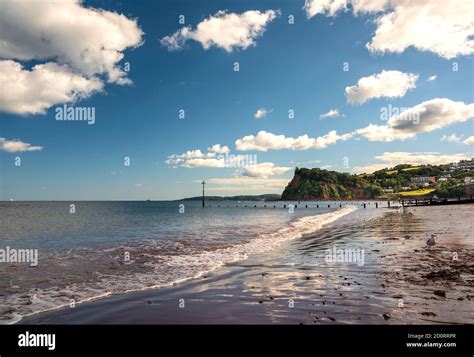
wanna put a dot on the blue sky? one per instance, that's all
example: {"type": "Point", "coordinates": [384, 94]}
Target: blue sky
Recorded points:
{"type": "Point", "coordinates": [287, 67]}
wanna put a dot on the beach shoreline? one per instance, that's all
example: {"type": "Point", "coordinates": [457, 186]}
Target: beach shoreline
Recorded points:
{"type": "Point", "coordinates": [402, 281]}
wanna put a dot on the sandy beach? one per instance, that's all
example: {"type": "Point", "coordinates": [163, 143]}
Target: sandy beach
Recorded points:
{"type": "Point", "coordinates": [401, 280]}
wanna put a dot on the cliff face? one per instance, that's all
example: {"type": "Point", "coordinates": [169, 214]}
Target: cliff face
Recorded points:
{"type": "Point", "coordinates": [317, 184]}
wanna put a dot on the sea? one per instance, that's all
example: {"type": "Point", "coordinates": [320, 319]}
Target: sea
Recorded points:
{"type": "Point", "coordinates": [90, 250]}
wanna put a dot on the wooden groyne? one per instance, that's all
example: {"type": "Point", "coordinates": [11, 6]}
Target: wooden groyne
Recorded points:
{"type": "Point", "coordinates": [424, 201]}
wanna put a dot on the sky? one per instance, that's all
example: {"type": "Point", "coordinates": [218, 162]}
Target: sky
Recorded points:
{"type": "Point", "coordinates": [234, 92]}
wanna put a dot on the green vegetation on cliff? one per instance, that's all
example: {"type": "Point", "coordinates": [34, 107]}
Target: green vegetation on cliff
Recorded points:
{"type": "Point", "coordinates": [323, 184]}
{"type": "Point", "coordinates": [319, 184]}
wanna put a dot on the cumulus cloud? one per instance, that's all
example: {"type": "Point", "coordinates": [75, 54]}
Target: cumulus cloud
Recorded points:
{"type": "Point", "coordinates": [218, 149]}
{"type": "Point", "coordinates": [17, 146]}
{"type": "Point", "coordinates": [442, 27]}
{"type": "Point", "coordinates": [333, 113]}
{"type": "Point", "coordinates": [33, 92]}
{"type": "Point", "coordinates": [196, 158]}
{"type": "Point", "coordinates": [225, 30]}
{"type": "Point", "coordinates": [424, 117]}
{"type": "Point", "coordinates": [77, 47]}
{"type": "Point", "coordinates": [391, 159]}
{"type": "Point", "coordinates": [469, 140]}
{"type": "Point", "coordinates": [89, 40]}
{"type": "Point", "coordinates": [332, 7]}
{"type": "Point", "coordinates": [453, 138]}
{"type": "Point", "coordinates": [326, 7]}
{"type": "Point", "coordinates": [263, 170]}
{"type": "Point", "coordinates": [265, 141]}
{"type": "Point", "coordinates": [387, 84]}
{"type": "Point", "coordinates": [261, 113]}
{"type": "Point", "coordinates": [217, 156]}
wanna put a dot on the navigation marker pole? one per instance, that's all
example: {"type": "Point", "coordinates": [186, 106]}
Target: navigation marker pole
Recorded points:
{"type": "Point", "coordinates": [203, 183]}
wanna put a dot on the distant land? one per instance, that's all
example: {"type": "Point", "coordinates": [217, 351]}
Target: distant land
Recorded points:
{"type": "Point", "coordinates": [450, 180]}
{"type": "Point", "coordinates": [265, 197]}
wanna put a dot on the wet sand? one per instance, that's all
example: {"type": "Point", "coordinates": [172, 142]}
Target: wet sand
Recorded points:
{"type": "Point", "coordinates": [402, 281]}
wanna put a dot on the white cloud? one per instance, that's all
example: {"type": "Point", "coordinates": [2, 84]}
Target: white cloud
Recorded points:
{"type": "Point", "coordinates": [217, 156]}
{"type": "Point", "coordinates": [218, 149]}
{"type": "Point", "coordinates": [263, 170]}
{"type": "Point", "coordinates": [17, 146]}
{"type": "Point", "coordinates": [225, 30]}
{"type": "Point", "coordinates": [432, 78]}
{"type": "Point", "coordinates": [265, 141]}
{"type": "Point", "coordinates": [469, 140]}
{"type": "Point", "coordinates": [424, 117]}
{"type": "Point", "coordinates": [453, 138]}
{"type": "Point", "coordinates": [391, 159]}
{"type": "Point", "coordinates": [33, 92]}
{"type": "Point", "coordinates": [442, 27]}
{"type": "Point", "coordinates": [261, 113]}
{"type": "Point", "coordinates": [76, 47]}
{"type": "Point", "coordinates": [196, 158]}
{"type": "Point", "coordinates": [90, 41]}
{"type": "Point", "coordinates": [327, 7]}
{"type": "Point", "coordinates": [332, 7]}
{"type": "Point", "coordinates": [333, 113]}
{"type": "Point", "coordinates": [388, 84]}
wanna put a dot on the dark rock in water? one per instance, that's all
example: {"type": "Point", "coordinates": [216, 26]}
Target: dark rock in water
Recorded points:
{"type": "Point", "coordinates": [407, 237]}
{"type": "Point", "coordinates": [386, 316]}
{"type": "Point", "coordinates": [428, 313]}
{"type": "Point", "coordinates": [271, 297]}
{"type": "Point", "coordinates": [260, 302]}
{"type": "Point", "coordinates": [441, 293]}
{"type": "Point", "coordinates": [331, 318]}
{"type": "Point", "coordinates": [307, 278]}
{"type": "Point", "coordinates": [460, 298]}
{"type": "Point", "coordinates": [149, 302]}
